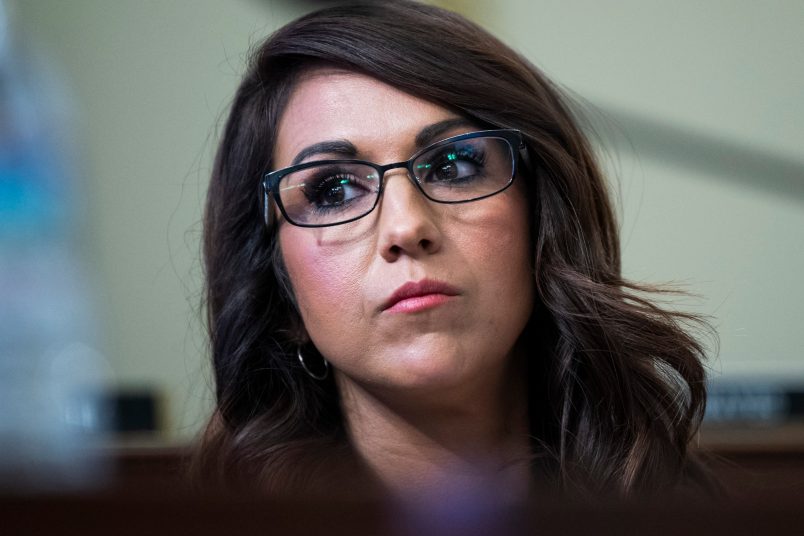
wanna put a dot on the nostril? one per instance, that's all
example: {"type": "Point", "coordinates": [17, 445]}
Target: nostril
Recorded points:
{"type": "Point", "coordinates": [425, 244]}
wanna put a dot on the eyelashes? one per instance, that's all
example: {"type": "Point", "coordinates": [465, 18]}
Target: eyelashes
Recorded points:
{"type": "Point", "coordinates": [334, 190]}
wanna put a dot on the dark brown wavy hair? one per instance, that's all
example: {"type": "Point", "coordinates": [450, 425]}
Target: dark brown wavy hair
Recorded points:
{"type": "Point", "coordinates": [616, 386]}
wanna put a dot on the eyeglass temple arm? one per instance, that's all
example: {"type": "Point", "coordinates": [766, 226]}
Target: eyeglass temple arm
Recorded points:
{"type": "Point", "coordinates": [524, 155]}
{"type": "Point", "coordinates": [266, 211]}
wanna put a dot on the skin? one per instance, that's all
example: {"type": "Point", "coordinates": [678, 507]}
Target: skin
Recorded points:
{"type": "Point", "coordinates": [428, 396]}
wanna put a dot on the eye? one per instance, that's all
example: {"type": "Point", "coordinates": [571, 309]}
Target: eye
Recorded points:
{"type": "Point", "coordinates": [332, 191]}
{"type": "Point", "coordinates": [454, 169]}
{"type": "Point", "coordinates": [452, 165]}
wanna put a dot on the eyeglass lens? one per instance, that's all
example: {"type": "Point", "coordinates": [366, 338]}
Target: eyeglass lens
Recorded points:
{"type": "Point", "coordinates": [456, 172]}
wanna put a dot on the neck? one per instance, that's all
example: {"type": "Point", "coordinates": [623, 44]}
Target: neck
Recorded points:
{"type": "Point", "coordinates": [467, 439]}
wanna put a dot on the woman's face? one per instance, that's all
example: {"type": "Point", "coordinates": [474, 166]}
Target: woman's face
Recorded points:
{"type": "Point", "coordinates": [469, 263]}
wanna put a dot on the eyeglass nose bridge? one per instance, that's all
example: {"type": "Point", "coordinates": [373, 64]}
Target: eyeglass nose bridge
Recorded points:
{"type": "Point", "coordinates": [411, 174]}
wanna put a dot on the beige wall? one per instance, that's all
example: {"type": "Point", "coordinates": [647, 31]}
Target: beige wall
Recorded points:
{"type": "Point", "coordinates": [151, 79]}
{"type": "Point", "coordinates": [712, 96]}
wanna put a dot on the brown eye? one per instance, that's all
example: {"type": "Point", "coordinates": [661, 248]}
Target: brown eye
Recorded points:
{"type": "Point", "coordinates": [454, 165]}
{"type": "Point", "coordinates": [456, 171]}
{"type": "Point", "coordinates": [334, 191]}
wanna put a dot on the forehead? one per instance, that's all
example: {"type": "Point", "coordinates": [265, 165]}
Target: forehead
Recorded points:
{"type": "Point", "coordinates": [331, 104]}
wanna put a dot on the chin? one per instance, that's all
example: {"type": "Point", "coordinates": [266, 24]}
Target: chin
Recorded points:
{"type": "Point", "coordinates": [436, 370]}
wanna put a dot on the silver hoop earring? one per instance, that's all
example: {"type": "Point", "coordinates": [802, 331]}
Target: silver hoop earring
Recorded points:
{"type": "Point", "coordinates": [310, 373]}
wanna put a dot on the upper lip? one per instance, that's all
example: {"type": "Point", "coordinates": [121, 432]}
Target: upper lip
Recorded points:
{"type": "Point", "coordinates": [413, 289]}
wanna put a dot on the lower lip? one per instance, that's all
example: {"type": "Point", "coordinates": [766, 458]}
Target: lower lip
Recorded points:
{"type": "Point", "coordinates": [419, 303]}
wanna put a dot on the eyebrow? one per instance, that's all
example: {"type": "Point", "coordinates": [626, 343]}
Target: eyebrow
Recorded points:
{"type": "Point", "coordinates": [346, 149]}
{"type": "Point", "coordinates": [434, 132]}
{"type": "Point", "coordinates": [339, 147]}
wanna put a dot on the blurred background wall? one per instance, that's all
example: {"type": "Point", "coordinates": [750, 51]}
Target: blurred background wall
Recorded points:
{"type": "Point", "coordinates": [698, 108]}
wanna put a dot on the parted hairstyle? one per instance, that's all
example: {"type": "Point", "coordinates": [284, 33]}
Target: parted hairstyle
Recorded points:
{"type": "Point", "coordinates": [615, 383]}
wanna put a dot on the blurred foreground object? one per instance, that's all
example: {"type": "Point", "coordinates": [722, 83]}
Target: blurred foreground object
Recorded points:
{"type": "Point", "coordinates": [50, 371]}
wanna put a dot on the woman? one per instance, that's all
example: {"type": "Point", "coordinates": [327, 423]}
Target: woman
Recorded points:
{"type": "Point", "coordinates": [413, 275]}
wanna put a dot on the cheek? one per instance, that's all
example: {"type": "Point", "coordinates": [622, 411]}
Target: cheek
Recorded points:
{"type": "Point", "coordinates": [499, 239]}
{"type": "Point", "coordinates": [514, 236]}
{"type": "Point", "coordinates": [324, 278]}
{"type": "Point", "coordinates": [499, 249]}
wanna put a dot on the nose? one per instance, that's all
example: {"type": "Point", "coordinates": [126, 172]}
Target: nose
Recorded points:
{"type": "Point", "coordinates": [407, 223]}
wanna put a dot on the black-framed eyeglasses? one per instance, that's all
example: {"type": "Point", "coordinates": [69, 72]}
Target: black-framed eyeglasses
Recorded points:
{"type": "Point", "coordinates": [459, 169]}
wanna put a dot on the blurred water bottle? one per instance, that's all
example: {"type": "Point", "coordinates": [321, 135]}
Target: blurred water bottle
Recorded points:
{"type": "Point", "coordinates": [50, 373]}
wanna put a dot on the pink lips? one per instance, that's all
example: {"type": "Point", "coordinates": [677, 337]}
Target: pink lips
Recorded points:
{"type": "Point", "coordinates": [418, 296]}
